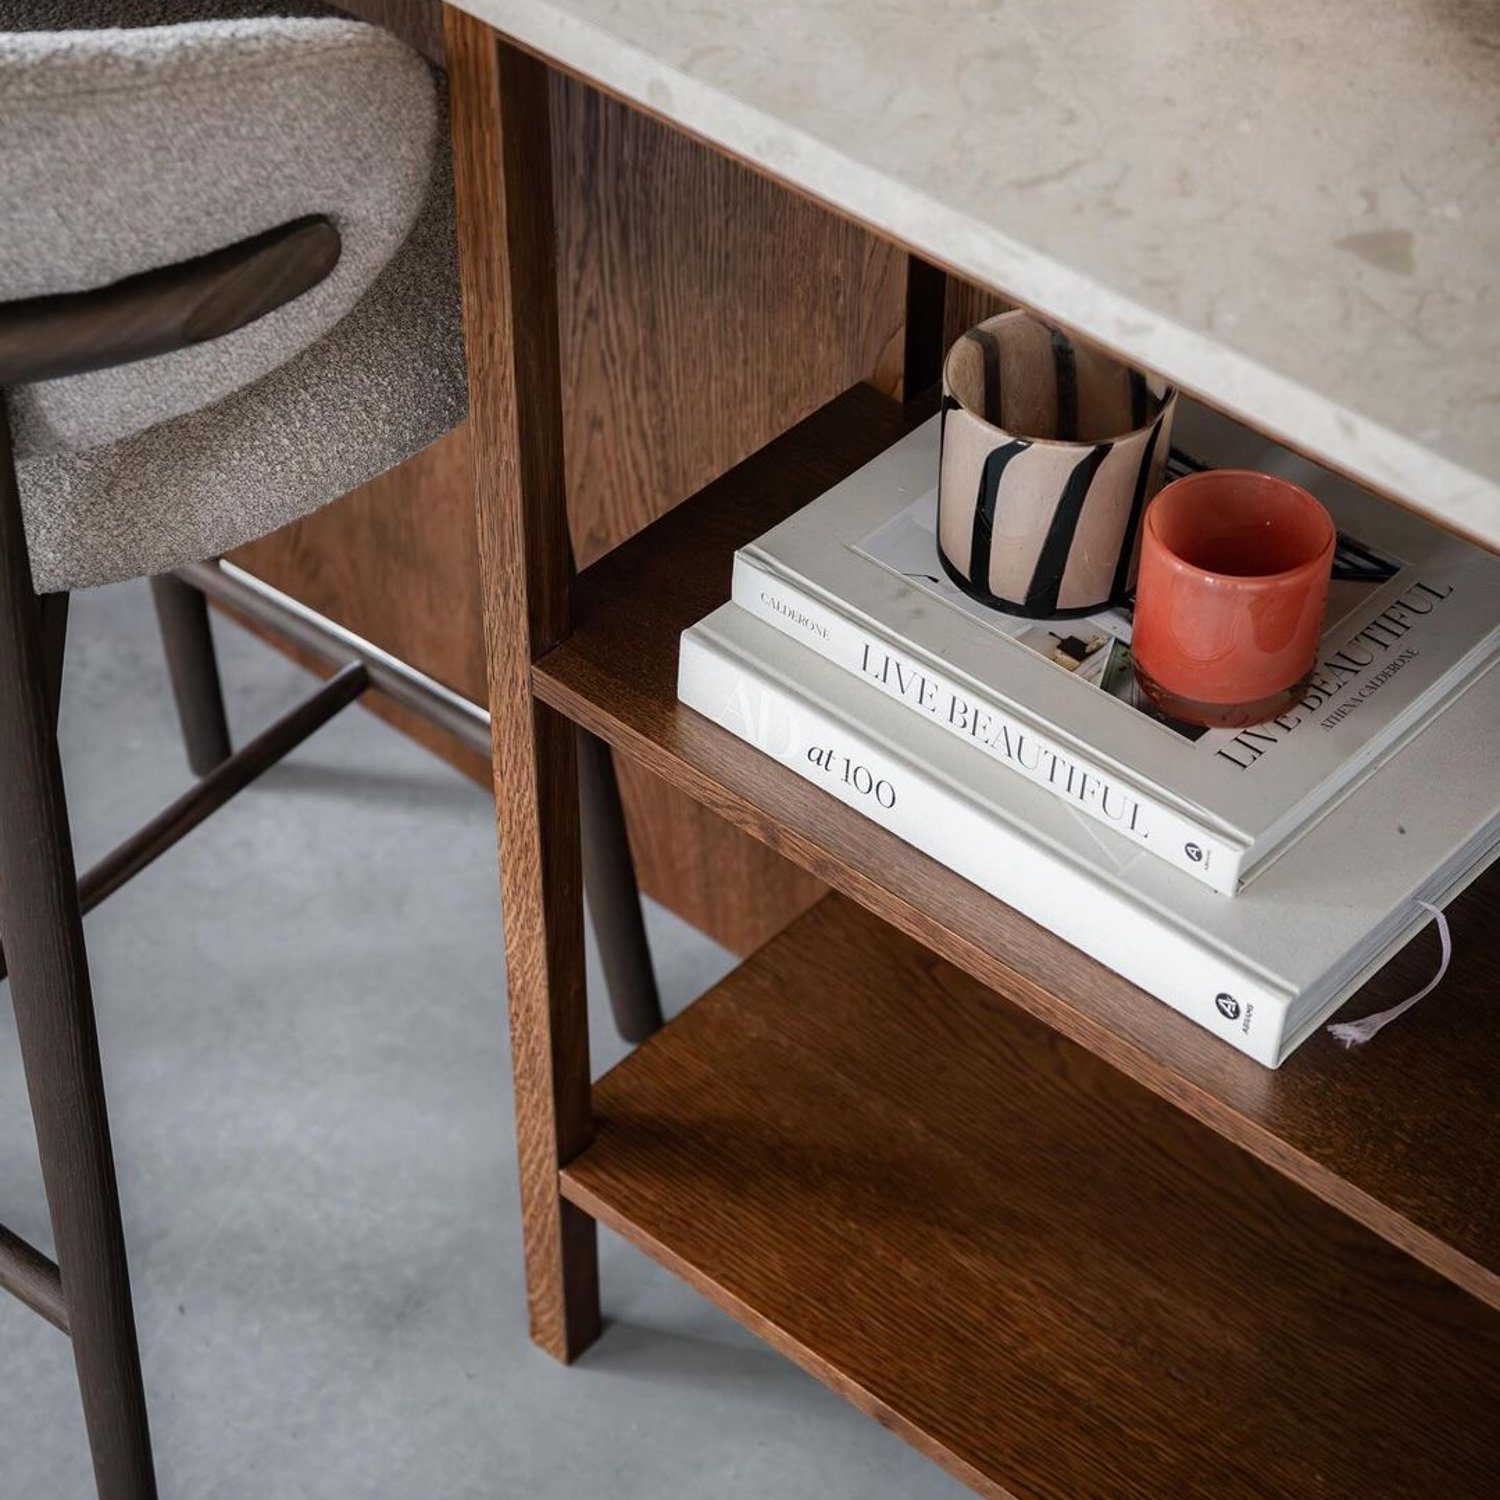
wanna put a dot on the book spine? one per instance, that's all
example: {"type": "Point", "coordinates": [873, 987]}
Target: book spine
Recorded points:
{"type": "Point", "coordinates": [990, 728]}
{"type": "Point", "coordinates": [932, 816]}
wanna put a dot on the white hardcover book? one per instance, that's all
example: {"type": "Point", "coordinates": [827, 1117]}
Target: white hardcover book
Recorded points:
{"type": "Point", "coordinates": [1261, 971]}
{"type": "Point", "coordinates": [856, 577]}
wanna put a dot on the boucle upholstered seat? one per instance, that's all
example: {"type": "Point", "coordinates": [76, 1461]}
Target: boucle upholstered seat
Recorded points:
{"type": "Point", "coordinates": [126, 149]}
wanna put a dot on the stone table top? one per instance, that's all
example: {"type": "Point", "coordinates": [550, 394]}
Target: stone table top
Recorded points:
{"type": "Point", "coordinates": [1292, 209]}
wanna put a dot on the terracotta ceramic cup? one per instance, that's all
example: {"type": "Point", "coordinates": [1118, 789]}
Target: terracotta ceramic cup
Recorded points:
{"type": "Point", "coordinates": [1230, 600]}
{"type": "Point", "coordinates": [1050, 451]}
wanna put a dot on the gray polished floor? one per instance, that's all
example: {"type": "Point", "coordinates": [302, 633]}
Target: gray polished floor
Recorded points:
{"type": "Point", "coordinates": [301, 1011]}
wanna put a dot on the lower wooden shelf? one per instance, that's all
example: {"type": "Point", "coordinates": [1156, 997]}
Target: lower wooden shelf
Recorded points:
{"type": "Point", "coordinates": [1047, 1278]}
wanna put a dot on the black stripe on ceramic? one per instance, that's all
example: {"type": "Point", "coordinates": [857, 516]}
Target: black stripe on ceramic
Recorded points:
{"type": "Point", "coordinates": [1032, 519]}
{"type": "Point", "coordinates": [989, 348]}
{"type": "Point", "coordinates": [1046, 581]}
{"type": "Point", "coordinates": [948, 404]}
{"type": "Point", "coordinates": [1065, 372]}
{"type": "Point", "coordinates": [1126, 565]}
{"type": "Point", "coordinates": [959, 580]}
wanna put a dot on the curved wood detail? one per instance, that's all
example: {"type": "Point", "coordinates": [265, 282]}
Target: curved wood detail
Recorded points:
{"type": "Point", "coordinates": [171, 308]}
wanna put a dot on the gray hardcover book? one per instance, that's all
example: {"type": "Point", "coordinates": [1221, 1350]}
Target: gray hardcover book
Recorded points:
{"type": "Point", "coordinates": [1261, 971]}
{"type": "Point", "coordinates": [1413, 616]}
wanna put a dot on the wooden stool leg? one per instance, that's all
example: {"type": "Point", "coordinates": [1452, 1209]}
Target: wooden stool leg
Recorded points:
{"type": "Point", "coordinates": [49, 979]}
{"type": "Point", "coordinates": [54, 628]}
{"type": "Point", "coordinates": [502, 160]}
{"type": "Point", "coordinates": [182, 613]}
{"type": "Point", "coordinates": [614, 897]}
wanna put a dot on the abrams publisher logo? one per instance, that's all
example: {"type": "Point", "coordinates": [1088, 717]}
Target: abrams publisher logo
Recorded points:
{"type": "Point", "coordinates": [1195, 853]}
{"type": "Point", "coordinates": [1232, 1010]}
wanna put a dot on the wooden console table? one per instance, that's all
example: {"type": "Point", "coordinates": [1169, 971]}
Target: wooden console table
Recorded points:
{"type": "Point", "coordinates": [1052, 1233]}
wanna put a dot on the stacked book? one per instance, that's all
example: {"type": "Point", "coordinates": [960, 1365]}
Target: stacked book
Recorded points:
{"type": "Point", "coordinates": [1252, 878]}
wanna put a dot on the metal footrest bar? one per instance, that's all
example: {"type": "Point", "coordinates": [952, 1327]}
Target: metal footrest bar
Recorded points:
{"type": "Point", "coordinates": [29, 1275]}
{"type": "Point", "coordinates": [211, 792]}
{"type": "Point", "coordinates": [333, 644]}
{"type": "Point", "coordinates": [608, 870]}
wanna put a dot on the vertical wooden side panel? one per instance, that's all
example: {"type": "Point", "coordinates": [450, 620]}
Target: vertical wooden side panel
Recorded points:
{"type": "Point", "coordinates": [703, 311]}
{"type": "Point", "coordinates": [419, 23]}
{"type": "Point", "coordinates": [503, 184]}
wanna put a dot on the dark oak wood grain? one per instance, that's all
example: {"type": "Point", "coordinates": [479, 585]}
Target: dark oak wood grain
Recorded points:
{"type": "Point", "coordinates": [503, 185]}
{"type": "Point", "coordinates": [984, 295]}
{"type": "Point", "coordinates": [1401, 1135]}
{"type": "Point", "coordinates": [396, 562]}
{"type": "Point", "coordinates": [703, 311]}
{"type": "Point", "coordinates": [1045, 1277]}
{"type": "Point", "coordinates": [419, 23]}
{"type": "Point", "coordinates": [33, 1278]}
{"type": "Point", "coordinates": [734, 888]}
{"type": "Point", "coordinates": [661, 238]}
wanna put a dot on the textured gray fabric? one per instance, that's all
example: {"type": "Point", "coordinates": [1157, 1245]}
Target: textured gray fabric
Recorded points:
{"type": "Point", "coordinates": [95, 15]}
{"type": "Point", "coordinates": [126, 149]}
{"type": "Point", "coordinates": [386, 381]}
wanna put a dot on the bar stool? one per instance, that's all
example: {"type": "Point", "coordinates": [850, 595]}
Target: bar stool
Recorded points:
{"type": "Point", "coordinates": [228, 295]}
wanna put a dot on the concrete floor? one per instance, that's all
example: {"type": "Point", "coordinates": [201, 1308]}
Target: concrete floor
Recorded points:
{"type": "Point", "coordinates": [301, 1015]}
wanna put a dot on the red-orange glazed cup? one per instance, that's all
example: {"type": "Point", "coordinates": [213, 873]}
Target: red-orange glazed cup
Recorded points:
{"type": "Point", "coordinates": [1230, 597]}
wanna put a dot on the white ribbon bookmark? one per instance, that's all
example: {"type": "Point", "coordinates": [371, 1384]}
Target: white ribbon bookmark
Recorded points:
{"type": "Point", "coordinates": [1353, 1033]}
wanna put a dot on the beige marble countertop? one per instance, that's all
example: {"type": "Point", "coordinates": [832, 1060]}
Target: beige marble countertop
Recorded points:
{"type": "Point", "coordinates": [1291, 209]}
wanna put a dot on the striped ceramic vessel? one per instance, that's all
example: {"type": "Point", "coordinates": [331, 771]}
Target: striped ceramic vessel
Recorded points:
{"type": "Point", "coordinates": [1050, 451]}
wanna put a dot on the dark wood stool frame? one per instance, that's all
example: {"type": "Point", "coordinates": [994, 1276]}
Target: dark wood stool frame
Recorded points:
{"type": "Point", "coordinates": [86, 1291]}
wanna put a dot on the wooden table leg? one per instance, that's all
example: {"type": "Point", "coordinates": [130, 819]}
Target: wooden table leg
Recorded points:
{"type": "Point", "coordinates": [503, 182]}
